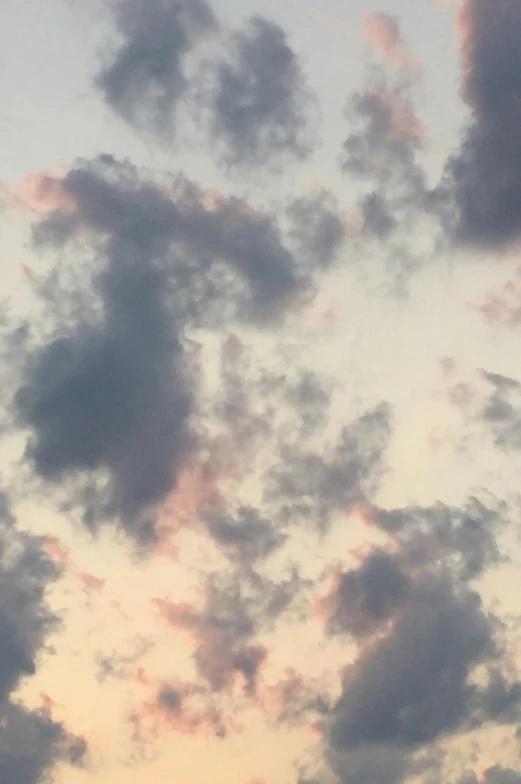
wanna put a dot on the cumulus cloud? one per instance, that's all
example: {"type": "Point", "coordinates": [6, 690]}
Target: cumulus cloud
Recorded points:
{"type": "Point", "coordinates": [107, 393]}
{"type": "Point", "coordinates": [485, 172]}
{"type": "Point", "coordinates": [111, 401]}
{"type": "Point", "coordinates": [31, 743]}
{"type": "Point", "coordinates": [257, 98]}
{"type": "Point", "coordinates": [144, 77]}
{"type": "Point", "coordinates": [423, 636]}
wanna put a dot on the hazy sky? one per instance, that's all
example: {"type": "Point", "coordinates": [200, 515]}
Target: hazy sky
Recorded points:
{"type": "Point", "coordinates": [261, 433]}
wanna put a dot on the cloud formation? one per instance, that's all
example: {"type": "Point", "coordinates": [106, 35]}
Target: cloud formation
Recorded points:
{"type": "Point", "coordinates": [144, 78]}
{"type": "Point", "coordinates": [31, 743]}
{"type": "Point", "coordinates": [486, 169]}
{"type": "Point", "coordinates": [423, 634]}
{"type": "Point", "coordinates": [258, 101]}
{"type": "Point", "coordinates": [108, 393]}
{"type": "Point", "coordinates": [383, 33]}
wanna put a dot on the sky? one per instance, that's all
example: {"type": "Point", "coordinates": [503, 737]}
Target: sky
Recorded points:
{"type": "Point", "coordinates": [261, 422]}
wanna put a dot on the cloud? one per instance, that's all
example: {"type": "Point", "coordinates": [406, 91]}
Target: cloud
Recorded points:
{"type": "Point", "coordinates": [225, 631]}
{"type": "Point", "coordinates": [501, 411]}
{"type": "Point", "coordinates": [115, 200]}
{"type": "Point", "coordinates": [363, 598]}
{"type": "Point", "coordinates": [430, 657]}
{"type": "Point", "coordinates": [257, 99]}
{"type": "Point", "coordinates": [494, 775]}
{"type": "Point", "coordinates": [243, 533]}
{"type": "Point", "coordinates": [317, 229]}
{"type": "Point", "coordinates": [305, 484]}
{"type": "Point", "coordinates": [486, 171]}
{"type": "Point", "coordinates": [144, 78]}
{"type": "Point", "coordinates": [107, 395]}
{"type": "Point", "coordinates": [383, 152]}
{"type": "Point", "coordinates": [31, 743]}
{"type": "Point", "coordinates": [503, 307]}
{"type": "Point", "coordinates": [387, 698]}
{"type": "Point", "coordinates": [179, 708]}
{"type": "Point", "coordinates": [382, 32]}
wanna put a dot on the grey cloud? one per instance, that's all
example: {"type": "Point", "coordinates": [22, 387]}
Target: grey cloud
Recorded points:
{"type": "Point", "coordinates": [244, 533]}
{"type": "Point", "coordinates": [501, 411]}
{"type": "Point", "coordinates": [115, 200]}
{"type": "Point", "coordinates": [414, 686]}
{"type": "Point", "coordinates": [380, 765]}
{"type": "Point", "coordinates": [463, 539]}
{"type": "Point", "coordinates": [170, 698]}
{"type": "Point", "coordinates": [384, 143]}
{"type": "Point", "coordinates": [424, 636]}
{"type": "Point", "coordinates": [367, 596]}
{"type": "Point", "coordinates": [145, 77]}
{"type": "Point", "coordinates": [486, 171]}
{"type": "Point", "coordinates": [107, 393]}
{"type": "Point", "coordinates": [317, 229]}
{"type": "Point", "coordinates": [378, 218]}
{"type": "Point", "coordinates": [111, 396]}
{"type": "Point", "coordinates": [226, 631]}
{"type": "Point", "coordinates": [257, 98]}
{"type": "Point", "coordinates": [31, 743]}
{"type": "Point", "coordinates": [494, 775]}
{"type": "Point", "coordinates": [307, 485]}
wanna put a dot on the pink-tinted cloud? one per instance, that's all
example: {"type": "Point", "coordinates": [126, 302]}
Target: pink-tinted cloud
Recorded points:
{"type": "Point", "coordinates": [223, 652]}
{"type": "Point", "coordinates": [176, 707]}
{"type": "Point", "coordinates": [43, 191]}
{"type": "Point", "coordinates": [60, 554]}
{"type": "Point", "coordinates": [503, 307]}
{"type": "Point", "coordinates": [383, 33]}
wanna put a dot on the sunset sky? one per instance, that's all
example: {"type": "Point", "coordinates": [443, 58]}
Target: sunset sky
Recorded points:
{"type": "Point", "coordinates": [261, 432]}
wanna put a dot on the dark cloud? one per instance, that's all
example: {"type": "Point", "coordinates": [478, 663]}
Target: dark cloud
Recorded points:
{"type": "Point", "coordinates": [494, 775]}
{"type": "Point", "coordinates": [145, 77]}
{"type": "Point", "coordinates": [430, 661]}
{"type": "Point", "coordinates": [107, 392]}
{"type": "Point", "coordinates": [381, 765]}
{"type": "Point", "coordinates": [114, 199]}
{"type": "Point", "coordinates": [31, 743]}
{"type": "Point", "coordinates": [170, 698]}
{"type": "Point", "coordinates": [414, 685]}
{"type": "Point", "coordinates": [366, 597]}
{"type": "Point", "coordinates": [244, 534]}
{"type": "Point", "coordinates": [257, 98]}
{"type": "Point", "coordinates": [463, 539]}
{"type": "Point", "coordinates": [486, 170]}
